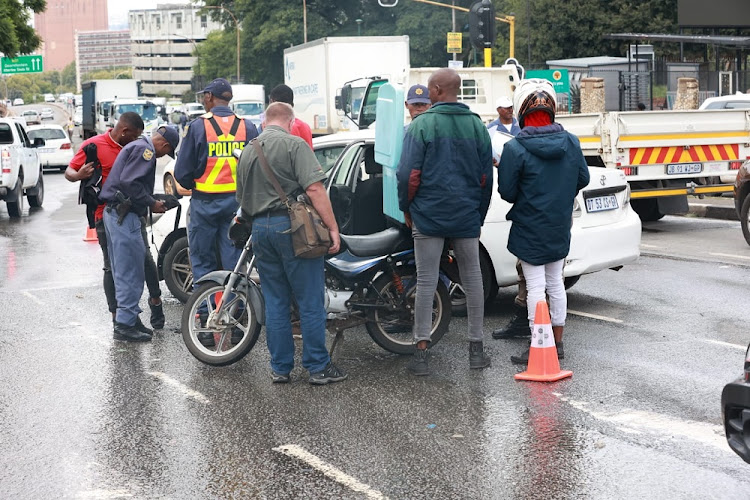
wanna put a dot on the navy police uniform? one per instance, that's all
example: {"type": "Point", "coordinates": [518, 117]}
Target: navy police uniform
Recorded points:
{"type": "Point", "coordinates": [206, 166]}
{"type": "Point", "coordinates": [132, 174]}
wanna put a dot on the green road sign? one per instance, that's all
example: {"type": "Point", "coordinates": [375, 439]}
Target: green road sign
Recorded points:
{"type": "Point", "coordinates": [21, 64]}
{"type": "Point", "coordinates": [558, 77]}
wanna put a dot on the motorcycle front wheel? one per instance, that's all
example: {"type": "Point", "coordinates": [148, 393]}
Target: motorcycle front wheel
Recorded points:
{"type": "Point", "coordinates": [392, 329]}
{"type": "Point", "coordinates": [219, 339]}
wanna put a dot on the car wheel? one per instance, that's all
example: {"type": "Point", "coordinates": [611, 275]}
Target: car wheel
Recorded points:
{"type": "Point", "coordinates": [744, 214]}
{"type": "Point", "coordinates": [178, 274]}
{"type": "Point", "coordinates": [14, 201]}
{"type": "Point", "coordinates": [170, 185]}
{"type": "Point", "coordinates": [647, 210]}
{"type": "Point", "coordinates": [35, 195]}
{"type": "Point", "coordinates": [570, 281]}
{"type": "Point", "coordinates": [458, 298]}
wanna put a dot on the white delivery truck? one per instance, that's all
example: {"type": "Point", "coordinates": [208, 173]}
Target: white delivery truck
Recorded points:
{"type": "Point", "coordinates": [248, 101]}
{"type": "Point", "coordinates": [97, 97]}
{"type": "Point", "coordinates": [315, 70]}
{"type": "Point", "coordinates": [665, 155]}
{"type": "Point", "coordinates": [145, 108]}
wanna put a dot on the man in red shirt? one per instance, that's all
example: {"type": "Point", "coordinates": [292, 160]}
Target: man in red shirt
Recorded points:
{"type": "Point", "coordinates": [108, 145]}
{"type": "Point", "coordinates": [283, 93]}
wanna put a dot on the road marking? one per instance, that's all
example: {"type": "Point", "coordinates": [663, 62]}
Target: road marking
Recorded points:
{"type": "Point", "coordinates": [595, 316]}
{"type": "Point", "coordinates": [645, 422]}
{"type": "Point", "coordinates": [644, 245]}
{"type": "Point", "coordinates": [294, 451]}
{"type": "Point", "coordinates": [32, 297]}
{"type": "Point", "coordinates": [733, 256]}
{"type": "Point", "coordinates": [104, 494]}
{"type": "Point", "coordinates": [725, 344]}
{"type": "Point", "coordinates": [182, 388]}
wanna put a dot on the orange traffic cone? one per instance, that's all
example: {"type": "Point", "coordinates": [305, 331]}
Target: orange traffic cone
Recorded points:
{"type": "Point", "coordinates": [90, 234]}
{"type": "Point", "coordinates": [543, 364]}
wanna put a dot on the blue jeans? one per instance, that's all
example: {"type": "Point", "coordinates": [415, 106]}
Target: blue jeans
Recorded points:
{"type": "Point", "coordinates": [208, 227]}
{"type": "Point", "coordinates": [282, 275]}
{"type": "Point", "coordinates": [127, 254]}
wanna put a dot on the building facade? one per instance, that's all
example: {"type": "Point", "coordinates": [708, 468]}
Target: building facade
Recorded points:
{"type": "Point", "coordinates": [96, 50]}
{"type": "Point", "coordinates": [163, 40]}
{"type": "Point", "coordinates": [57, 26]}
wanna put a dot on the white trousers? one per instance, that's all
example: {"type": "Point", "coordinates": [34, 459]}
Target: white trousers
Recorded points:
{"type": "Point", "coordinates": [547, 277]}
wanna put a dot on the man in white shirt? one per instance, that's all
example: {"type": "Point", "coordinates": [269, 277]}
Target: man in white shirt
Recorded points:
{"type": "Point", "coordinates": [505, 122]}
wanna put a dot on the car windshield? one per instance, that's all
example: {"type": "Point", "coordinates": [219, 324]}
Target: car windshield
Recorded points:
{"type": "Point", "coordinates": [30, 113]}
{"type": "Point", "coordinates": [146, 111]}
{"type": "Point", "coordinates": [46, 134]}
{"type": "Point", "coordinates": [248, 108]}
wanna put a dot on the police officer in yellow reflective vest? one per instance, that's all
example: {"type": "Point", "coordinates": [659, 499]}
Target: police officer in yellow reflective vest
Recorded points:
{"type": "Point", "coordinates": [205, 164]}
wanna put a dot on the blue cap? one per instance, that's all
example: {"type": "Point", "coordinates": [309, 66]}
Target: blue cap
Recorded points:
{"type": "Point", "coordinates": [220, 88]}
{"type": "Point", "coordinates": [418, 94]}
{"type": "Point", "coordinates": [171, 135]}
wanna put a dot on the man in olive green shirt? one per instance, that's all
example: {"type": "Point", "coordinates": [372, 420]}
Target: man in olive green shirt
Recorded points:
{"type": "Point", "coordinates": [282, 275]}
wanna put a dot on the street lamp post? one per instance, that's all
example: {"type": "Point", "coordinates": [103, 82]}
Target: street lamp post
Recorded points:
{"type": "Point", "coordinates": [236, 26]}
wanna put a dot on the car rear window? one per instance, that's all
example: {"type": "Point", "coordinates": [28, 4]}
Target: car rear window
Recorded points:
{"type": "Point", "coordinates": [6, 134]}
{"type": "Point", "coordinates": [46, 134]}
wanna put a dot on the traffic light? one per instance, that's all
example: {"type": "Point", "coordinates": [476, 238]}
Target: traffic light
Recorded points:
{"type": "Point", "coordinates": [482, 24]}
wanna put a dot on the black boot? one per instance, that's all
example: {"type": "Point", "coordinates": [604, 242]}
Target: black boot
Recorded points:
{"type": "Point", "coordinates": [127, 333]}
{"type": "Point", "coordinates": [142, 328]}
{"type": "Point", "coordinates": [418, 364]}
{"type": "Point", "coordinates": [523, 358]}
{"type": "Point", "coordinates": [157, 315]}
{"type": "Point", "coordinates": [477, 357]}
{"type": "Point", "coordinates": [518, 326]}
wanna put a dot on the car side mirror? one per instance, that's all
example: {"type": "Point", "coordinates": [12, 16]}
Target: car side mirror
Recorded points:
{"type": "Point", "coordinates": [39, 142]}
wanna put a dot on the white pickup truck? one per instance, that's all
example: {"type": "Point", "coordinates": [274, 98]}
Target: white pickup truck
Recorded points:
{"type": "Point", "coordinates": [20, 171]}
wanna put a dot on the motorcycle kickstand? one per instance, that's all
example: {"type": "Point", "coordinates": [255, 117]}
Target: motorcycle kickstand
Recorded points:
{"type": "Point", "coordinates": [339, 336]}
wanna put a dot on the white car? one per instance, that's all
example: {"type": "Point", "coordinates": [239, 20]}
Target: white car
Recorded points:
{"type": "Point", "coordinates": [18, 101]}
{"type": "Point", "coordinates": [48, 114]}
{"type": "Point", "coordinates": [78, 115]}
{"type": "Point", "coordinates": [57, 151]}
{"type": "Point", "coordinates": [31, 116]}
{"type": "Point", "coordinates": [732, 101]}
{"type": "Point", "coordinates": [606, 232]}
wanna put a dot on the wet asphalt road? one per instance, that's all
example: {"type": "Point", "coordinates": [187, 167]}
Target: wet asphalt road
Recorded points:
{"type": "Point", "coordinates": [85, 417]}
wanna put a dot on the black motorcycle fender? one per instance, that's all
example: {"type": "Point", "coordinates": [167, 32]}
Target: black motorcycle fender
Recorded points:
{"type": "Point", "coordinates": [249, 287]}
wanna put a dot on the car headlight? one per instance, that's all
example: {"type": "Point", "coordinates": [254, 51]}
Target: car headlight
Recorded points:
{"type": "Point", "coordinates": [577, 208]}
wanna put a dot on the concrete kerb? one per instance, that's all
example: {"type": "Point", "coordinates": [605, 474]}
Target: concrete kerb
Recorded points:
{"type": "Point", "coordinates": [712, 211]}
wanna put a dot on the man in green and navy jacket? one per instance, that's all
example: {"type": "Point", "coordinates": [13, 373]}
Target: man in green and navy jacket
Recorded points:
{"type": "Point", "coordinates": [444, 189]}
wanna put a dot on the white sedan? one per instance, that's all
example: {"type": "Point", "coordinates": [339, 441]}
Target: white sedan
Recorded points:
{"type": "Point", "coordinates": [57, 151]}
{"type": "Point", "coordinates": [606, 232]}
{"type": "Point", "coordinates": [48, 114]}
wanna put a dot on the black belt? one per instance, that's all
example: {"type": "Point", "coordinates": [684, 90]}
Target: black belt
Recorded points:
{"type": "Point", "coordinates": [272, 213]}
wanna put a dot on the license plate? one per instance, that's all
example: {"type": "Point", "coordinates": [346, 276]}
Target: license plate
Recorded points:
{"type": "Point", "coordinates": [684, 168]}
{"type": "Point", "coordinates": [47, 150]}
{"type": "Point", "coordinates": [601, 203]}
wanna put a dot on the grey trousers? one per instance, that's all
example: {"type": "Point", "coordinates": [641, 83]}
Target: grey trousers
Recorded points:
{"type": "Point", "coordinates": [427, 251]}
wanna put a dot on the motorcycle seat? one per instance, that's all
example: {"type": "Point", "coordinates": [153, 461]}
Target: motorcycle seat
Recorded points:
{"type": "Point", "coordinates": [381, 243]}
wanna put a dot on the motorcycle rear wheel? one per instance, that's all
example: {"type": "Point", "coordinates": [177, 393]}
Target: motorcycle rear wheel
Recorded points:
{"type": "Point", "coordinates": [237, 313]}
{"type": "Point", "coordinates": [392, 330]}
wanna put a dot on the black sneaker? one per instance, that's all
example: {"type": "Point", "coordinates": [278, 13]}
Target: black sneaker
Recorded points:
{"type": "Point", "coordinates": [418, 363]}
{"type": "Point", "coordinates": [280, 378]}
{"type": "Point", "coordinates": [478, 359]}
{"type": "Point", "coordinates": [517, 327]}
{"type": "Point", "coordinates": [141, 327]}
{"type": "Point", "coordinates": [207, 339]}
{"type": "Point", "coordinates": [157, 315]}
{"type": "Point", "coordinates": [329, 375]}
{"type": "Point", "coordinates": [127, 333]}
{"type": "Point", "coordinates": [521, 359]}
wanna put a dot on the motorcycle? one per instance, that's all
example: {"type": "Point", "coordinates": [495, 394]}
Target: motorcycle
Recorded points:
{"type": "Point", "coordinates": [371, 282]}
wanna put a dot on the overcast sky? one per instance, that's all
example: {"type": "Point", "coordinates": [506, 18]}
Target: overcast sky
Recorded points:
{"type": "Point", "coordinates": [118, 9]}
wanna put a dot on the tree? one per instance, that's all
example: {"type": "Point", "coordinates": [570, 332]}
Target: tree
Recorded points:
{"type": "Point", "coordinates": [68, 77]}
{"type": "Point", "coordinates": [17, 36]}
